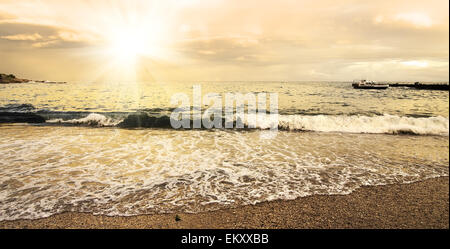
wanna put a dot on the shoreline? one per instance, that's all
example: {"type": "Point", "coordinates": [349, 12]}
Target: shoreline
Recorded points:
{"type": "Point", "coordinates": [423, 204]}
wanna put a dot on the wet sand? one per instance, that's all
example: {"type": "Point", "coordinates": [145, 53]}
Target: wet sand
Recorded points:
{"type": "Point", "coordinates": [418, 205]}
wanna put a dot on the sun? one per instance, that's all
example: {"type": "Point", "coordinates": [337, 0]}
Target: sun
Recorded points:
{"type": "Point", "coordinates": [128, 45]}
{"type": "Point", "coordinates": [132, 43]}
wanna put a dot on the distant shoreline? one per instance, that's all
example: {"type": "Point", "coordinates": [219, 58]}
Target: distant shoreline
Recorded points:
{"type": "Point", "coordinates": [441, 85]}
{"type": "Point", "coordinates": [423, 204]}
{"type": "Point", "coordinates": [12, 79]}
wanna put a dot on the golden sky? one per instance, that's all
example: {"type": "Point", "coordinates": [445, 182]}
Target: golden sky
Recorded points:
{"type": "Point", "coordinates": [191, 40]}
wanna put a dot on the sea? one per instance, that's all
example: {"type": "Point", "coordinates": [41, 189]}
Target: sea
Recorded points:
{"type": "Point", "coordinates": [93, 154]}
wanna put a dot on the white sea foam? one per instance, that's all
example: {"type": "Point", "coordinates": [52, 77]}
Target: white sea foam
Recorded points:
{"type": "Point", "coordinates": [389, 124]}
{"type": "Point", "coordinates": [48, 170]}
{"type": "Point", "coordinates": [92, 119]}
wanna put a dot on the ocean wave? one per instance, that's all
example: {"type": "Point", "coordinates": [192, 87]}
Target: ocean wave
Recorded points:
{"type": "Point", "coordinates": [377, 124]}
{"type": "Point", "coordinates": [92, 119]}
{"type": "Point", "coordinates": [389, 124]}
{"type": "Point", "coordinates": [384, 124]}
{"type": "Point", "coordinates": [17, 108]}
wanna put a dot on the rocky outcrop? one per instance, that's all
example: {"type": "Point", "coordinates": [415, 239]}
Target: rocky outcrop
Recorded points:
{"type": "Point", "coordinates": [11, 78]}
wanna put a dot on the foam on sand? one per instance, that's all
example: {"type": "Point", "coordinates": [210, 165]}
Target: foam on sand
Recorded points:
{"type": "Point", "coordinates": [46, 170]}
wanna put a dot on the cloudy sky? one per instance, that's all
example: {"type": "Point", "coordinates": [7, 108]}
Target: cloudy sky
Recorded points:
{"type": "Point", "coordinates": [188, 40]}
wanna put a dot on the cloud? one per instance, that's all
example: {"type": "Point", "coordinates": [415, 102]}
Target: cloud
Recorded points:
{"type": "Point", "coordinates": [417, 19]}
{"type": "Point", "coordinates": [45, 44]}
{"type": "Point", "coordinates": [415, 63]}
{"type": "Point", "coordinates": [23, 37]}
{"type": "Point", "coordinates": [43, 36]}
{"type": "Point", "coordinates": [237, 49]}
{"type": "Point", "coordinates": [6, 16]}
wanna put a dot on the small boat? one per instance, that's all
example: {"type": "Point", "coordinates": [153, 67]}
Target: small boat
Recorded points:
{"type": "Point", "coordinates": [364, 84]}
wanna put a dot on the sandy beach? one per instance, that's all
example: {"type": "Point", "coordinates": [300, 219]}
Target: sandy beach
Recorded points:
{"type": "Point", "coordinates": [422, 204]}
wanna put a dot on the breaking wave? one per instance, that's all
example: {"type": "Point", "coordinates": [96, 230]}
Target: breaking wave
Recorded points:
{"type": "Point", "coordinates": [383, 124]}
{"type": "Point", "coordinates": [389, 124]}
{"type": "Point", "coordinates": [378, 124]}
{"type": "Point", "coordinates": [92, 119]}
